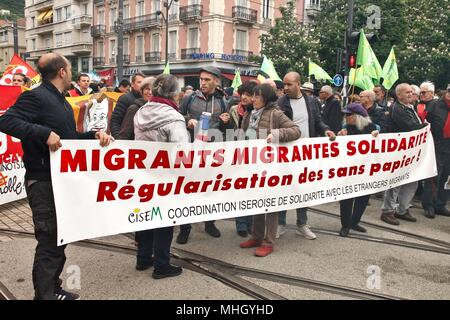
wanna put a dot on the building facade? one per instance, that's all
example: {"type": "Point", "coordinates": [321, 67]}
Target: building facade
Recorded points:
{"type": "Point", "coordinates": [61, 26]}
{"type": "Point", "coordinates": [224, 34]}
{"type": "Point", "coordinates": [7, 41]}
{"type": "Point", "coordinates": [310, 11]}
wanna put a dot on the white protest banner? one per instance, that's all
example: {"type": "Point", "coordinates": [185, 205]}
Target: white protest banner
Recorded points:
{"type": "Point", "coordinates": [136, 185]}
{"type": "Point", "coordinates": [12, 170]}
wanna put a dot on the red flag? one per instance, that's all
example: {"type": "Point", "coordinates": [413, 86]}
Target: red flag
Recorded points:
{"type": "Point", "coordinates": [8, 96]}
{"type": "Point", "coordinates": [108, 75]}
{"type": "Point", "coordinates": [17, 65]}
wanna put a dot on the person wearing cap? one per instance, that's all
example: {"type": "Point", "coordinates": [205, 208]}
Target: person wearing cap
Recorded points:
{"type": "Point", "coordinates": [331, 111]}
{"type": "Point", "coordinates": [209, 98]}
{"type": "Point", "coordinates": [307, 89]}
{"type": "Point", "coordinates": [304, 112]}
{"type": "Point", "coordinates": [357, 121]}
{"type": "Point", "coordinates": [404, 118]}
{"type": "Point", "coordinates": [438, 116]}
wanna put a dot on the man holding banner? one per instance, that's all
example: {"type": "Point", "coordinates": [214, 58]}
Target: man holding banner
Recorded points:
{"type": "Point", "coordinates": [41, 118]}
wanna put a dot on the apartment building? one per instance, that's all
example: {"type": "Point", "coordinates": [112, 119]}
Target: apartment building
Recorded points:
{"type": "Point", "coordinates": [61, 26]}
{"type": "Point", "coordinates": [221, 33]}
{"type": "Point", "coordinates": [7, 41]}
{"type": "Point", "coordinates": [311, 9]}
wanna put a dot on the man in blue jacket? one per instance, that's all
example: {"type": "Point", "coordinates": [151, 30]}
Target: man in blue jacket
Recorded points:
{"type": "Point", "coordinates": [40, 119]}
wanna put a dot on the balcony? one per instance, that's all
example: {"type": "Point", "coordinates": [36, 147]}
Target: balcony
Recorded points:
{"type": "Point", "coordinates": [188, 53]}
{"type": "Point", "coordinates": [172, 56]}
{"type": "Point", "coordinates": [80, 21]}
{"type": "Point", "coordinates": [245, 15]}
{"type": "Point", "coordinates": [112, 60]}
{"type": "Point", "coordinates": [154, 56]}
{"type": "Point", "coordinates": [98, 31]}
{"type": "Point", "coordinates": [139, 59]}
{"type": "Point", "coordinates": [43, 29]}
{"type": "Point", "coordinates": [126, 59]}
{"type": "Point", "coordinates": [99, 2]}
{"type": "Point", "coordinates": [141, 22]}
{"type": "Point", "coordinates": [312, 9]}
{"type": "Point", "coordinates": [36, 54]}
{"type": "Point", "coordinates": [43, 4]}
{"type": "Point", "coordinates": [99, 61]}
{"type": "Point", "coordinates": [191, 13]}
{"type": "Point", "coordinates": [82, 48]}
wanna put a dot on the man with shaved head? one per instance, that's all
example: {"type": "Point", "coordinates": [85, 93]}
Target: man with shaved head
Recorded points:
{"type": "Point", "coordinates": [404, 118]}
{"type": "Point", "coordinates": [304, 111]}
{"type": "Point", "coordinates": [40, 119]}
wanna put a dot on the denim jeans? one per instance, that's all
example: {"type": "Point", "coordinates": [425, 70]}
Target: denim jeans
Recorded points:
{"type": "Point", "coordinates": [49, 259]}
{"type": "Point", "coordinates": [244, 223]}
{"type": "Point", "coordinates": [302, 218]}
{"type": "Point", "coordinates": [156, 243]}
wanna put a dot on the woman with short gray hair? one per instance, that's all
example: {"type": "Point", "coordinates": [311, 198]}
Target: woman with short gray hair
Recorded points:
{"type": "Point", "coordinates": [159, 120]}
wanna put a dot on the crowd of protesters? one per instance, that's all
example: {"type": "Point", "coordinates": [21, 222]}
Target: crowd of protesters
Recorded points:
{"type": "Point", "coordinates": [154, 109]}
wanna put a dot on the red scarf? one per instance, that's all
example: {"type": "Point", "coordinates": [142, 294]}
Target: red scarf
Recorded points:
{"type": "Point", "coordinates": [164, 101]}
{"type": "Point", "coordinates": [241, 110]}
{"type": "Point", "coordinates": [446, 131]}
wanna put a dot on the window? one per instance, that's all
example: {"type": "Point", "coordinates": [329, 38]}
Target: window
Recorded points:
{"type": "Point", "coordinates": [241, 40]}
{"type": "Point", "coordinates": [68, 38]}
{"type": "Point", "coordinates": [33, 22]}
{"type": "Point", "coordinates": [156, 5]}
{"type": "Point", "coordinates": [155, 42]}
{"type": "Point", "coordinates": [140, 8]}
{"type": "Point", "coordinates": [242, 3]}
{"type": "Point", "coordinates": [193, 38]}
{"type": "Point", "coordinates": [101, 17]}
{"type": "Point", "coordinates": [139, 48]}
{"type": "Point", "coordinates": [84, 64]}
{"type": "Point", "coordinates": [48, 43]}
{"type": "Point", "coordinates": [173, 13]}
{"type": "Point", "coordinates": [59, 14]}
{"type": "Point", "coordinates": [59, 39]}
{"type": "Point", "coordinates": [85, 8]}
{"type": "Point", "coordinates": [126, 11]}
{"type": "Point", "coordinates": [112, 48]}
{"type": "Point", "coordinates": [112, 19]}
{"type": "Point", "coordinates": [126, 43]}
{"type": "Point", "coordinates": [173, 43]}
{"type": "Point", "coordinates": [33, 44]}
{"type": "Point", "coordinates": [100, 49]}
{"type": "Point", "coordinates": [67, 13]}
{"type": "Point", "coordinates": [266, 9]}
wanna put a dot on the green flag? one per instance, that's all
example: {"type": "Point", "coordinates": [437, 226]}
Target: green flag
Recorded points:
{"type": "Point", "coordinates": [318, 72]}
{"type": "Point", "coordinates": [360, 79]}
{"type": "Point", "coordinates": [268, 71]}
{"type": "Point", "coordinates": [237, 80]}
{"type": "Point", "coordinates": [167, 68]}
{"type": "Point", "coordinates": [367, 58]}
{"type": "Point", "coordinates": [390, 71]}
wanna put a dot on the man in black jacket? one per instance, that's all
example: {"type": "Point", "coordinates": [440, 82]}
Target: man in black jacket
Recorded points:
{"type": "Point", "coordinates": [124, 102]}
{"type": "Point", "coordinates": [332, 114]}
{"type": "Point", "coordinates": [376, 113]}
{"type": "Point", "coordinates": [40, 119]}
{"type": "Point", "coordinates": [303, 110]}
{"type": "Point", "coordinates": [404, 119]}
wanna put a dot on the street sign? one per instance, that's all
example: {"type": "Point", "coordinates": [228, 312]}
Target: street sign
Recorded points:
{"type": "Point", "coordinates": [338, 80]}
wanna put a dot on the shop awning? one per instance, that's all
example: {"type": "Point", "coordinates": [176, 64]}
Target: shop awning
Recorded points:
{"type": "Point", "coordinates": [49, 15]}
{"type": "Point", "coordinates": [42, 15]}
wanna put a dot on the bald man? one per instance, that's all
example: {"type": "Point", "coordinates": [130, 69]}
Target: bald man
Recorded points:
{"type": "Point", "coordinates": [40, 119]}
{"type": "Point", "coordinates": [304, 111]}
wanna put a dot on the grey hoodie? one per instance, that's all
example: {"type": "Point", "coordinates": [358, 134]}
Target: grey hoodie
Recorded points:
{"type": "Point", "coordinates": [160, 122]}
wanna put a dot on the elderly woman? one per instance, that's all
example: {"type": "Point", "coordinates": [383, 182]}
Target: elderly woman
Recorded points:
{"type": "Point", "coordinates": [266, 118]}
{"type": "Point", "coordinates": [127, 127]}
{"type": "Point", "coordinates": [357, 121]}
{"type": "Point", "coordinates": [159, 120]}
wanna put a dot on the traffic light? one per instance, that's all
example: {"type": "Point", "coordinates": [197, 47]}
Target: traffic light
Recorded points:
{"type": "Point", "coordinates": [352, 61]}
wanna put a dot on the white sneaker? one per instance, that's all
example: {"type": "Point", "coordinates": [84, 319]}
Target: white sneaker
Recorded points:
{"type": "Point", "coordinates": [280, 231]}
{"type": "Point", "coordinates": [305, 232]}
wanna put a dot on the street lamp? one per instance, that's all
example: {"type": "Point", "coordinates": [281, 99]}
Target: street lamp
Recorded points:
{"type": "Point", "coordinates": [167, 5]}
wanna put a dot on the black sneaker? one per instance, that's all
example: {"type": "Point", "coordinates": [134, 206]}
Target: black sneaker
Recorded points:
{"type": "Point", "coordinates": [212, 230]}
{"type": "Point", "coordinates": [242, 233]}
{"type": "Point", "coordinates": [429, 213]}
{"type": "Point", "coordinates": [359, 228]}
{"type": "Point", "coordinates": [406, 216]}
{"type": "Point", "coordinates": [344, 232]}
{"type": "Point", "coordinates": [143, 266]}
{"type": "Point", "coordinates": [62, 294]}
{"type": "Point", "coordinates": [183, 237]}
{"type": "Point", "coordinates": [444, 212]}
{"type": "Point", "coordinates": [168, 271]}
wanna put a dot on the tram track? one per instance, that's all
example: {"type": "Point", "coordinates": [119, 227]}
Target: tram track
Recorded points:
{"type": "Point", "coordinates": [229, 274]}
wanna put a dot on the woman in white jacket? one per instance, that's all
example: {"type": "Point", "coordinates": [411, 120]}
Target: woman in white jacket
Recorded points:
{"type": "Point", "coordinates": [159, 120]}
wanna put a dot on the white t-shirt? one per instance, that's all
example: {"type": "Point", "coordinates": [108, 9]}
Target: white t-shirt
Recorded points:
{"type": "Point", "coordinates": [300, 115]}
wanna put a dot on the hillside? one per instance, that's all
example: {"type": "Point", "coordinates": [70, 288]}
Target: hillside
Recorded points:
{"type": "Point", "coordinates": [16, 7]}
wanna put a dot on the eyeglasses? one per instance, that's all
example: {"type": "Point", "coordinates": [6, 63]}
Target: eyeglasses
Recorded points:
{"type": "Point", "coordinates": [423, 92]}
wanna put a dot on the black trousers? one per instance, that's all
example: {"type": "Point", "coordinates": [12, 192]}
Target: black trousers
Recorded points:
{"type": "Point", "coordinates": [49, 259]}
{"type": "Point", "coordinates": [156, 243]}
{"type": "Point", "coordinates": [188, 227]}
{"type": "Point", "coordinates": [434, 194]}
{"type": "Point", "coordinates": [352, 210]}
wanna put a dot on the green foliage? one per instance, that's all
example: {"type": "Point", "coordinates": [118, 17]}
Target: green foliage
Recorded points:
{"type": "Point", "coordinates": [287, 43]}
{"type": "Point", "coordinates": [16, 7]}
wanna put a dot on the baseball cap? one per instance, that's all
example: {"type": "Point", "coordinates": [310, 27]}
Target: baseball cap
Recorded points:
{"type": "Point", "coordinates": [212, 70]}
{"type": "Point", "coordinates": [356, 108]}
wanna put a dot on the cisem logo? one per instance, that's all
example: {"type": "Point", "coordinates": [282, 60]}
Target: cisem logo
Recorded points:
{"type": "Point", "coordinates": [138, 216]}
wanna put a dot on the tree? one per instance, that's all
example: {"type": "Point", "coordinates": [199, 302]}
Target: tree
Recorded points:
{"type": "Point", "coordinates": [287, 44]}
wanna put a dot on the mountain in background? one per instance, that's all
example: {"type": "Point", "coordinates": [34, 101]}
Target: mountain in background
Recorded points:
{"type": "Point", "coordinates": [16, 7]}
